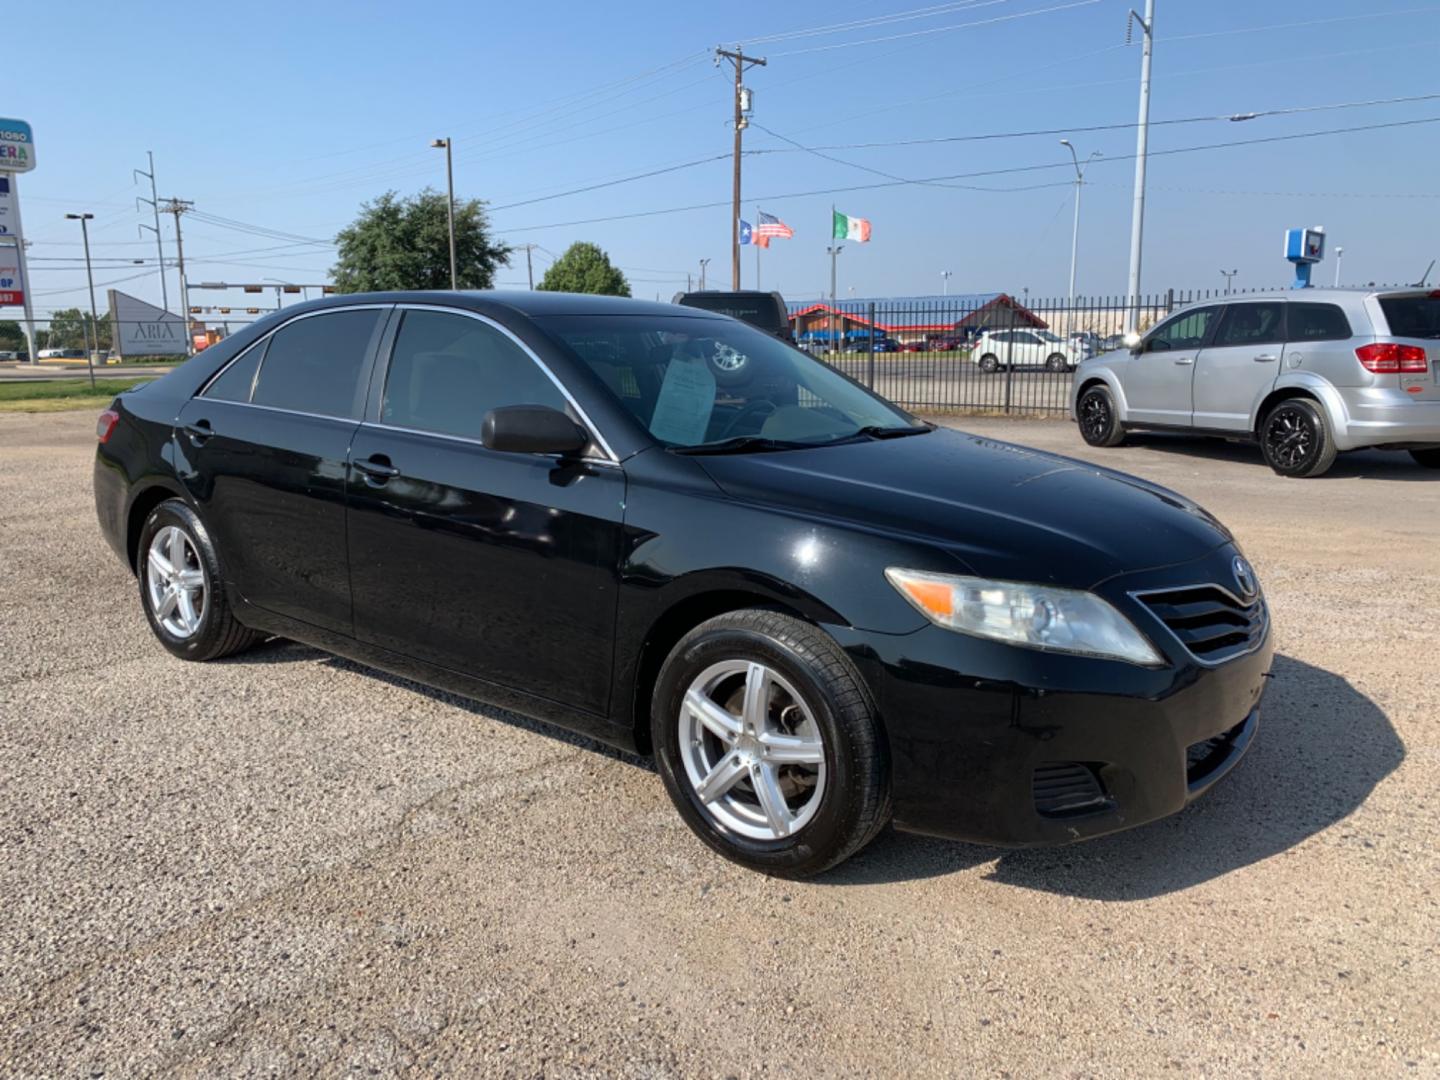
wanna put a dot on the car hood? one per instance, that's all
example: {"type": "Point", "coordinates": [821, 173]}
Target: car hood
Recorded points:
{"type": "Point", "coordinates": [1005, 511]}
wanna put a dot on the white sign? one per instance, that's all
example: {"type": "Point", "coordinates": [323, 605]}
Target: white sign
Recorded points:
{"type": "Point", "coordinates": [8, 217]}
{"type": "Point", "coordinates": [12, 285]}
{"type": "Point", "coordinates": [141, 329]}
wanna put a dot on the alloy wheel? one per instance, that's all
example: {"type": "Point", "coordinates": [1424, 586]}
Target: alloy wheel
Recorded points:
{"type": "Point", "coordinates": [1289, 437]}
{"type": "Point", "coordinates": [175, 582]}
{"type": "Point", "coordinates": [752, 750]}
{"type": "Point", "coordinates": [1095, 416]}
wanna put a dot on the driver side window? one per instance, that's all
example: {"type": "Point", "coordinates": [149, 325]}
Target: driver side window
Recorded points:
{"type": "Point", "coordinates": [1187, 330]}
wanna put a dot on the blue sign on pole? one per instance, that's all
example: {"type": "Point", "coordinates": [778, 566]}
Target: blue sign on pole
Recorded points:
{"type": "Point", "coordinates": [17, 146]}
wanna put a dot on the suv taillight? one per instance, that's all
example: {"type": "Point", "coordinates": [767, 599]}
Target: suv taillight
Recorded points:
{"type": "Point", "coordinates": [1388, 358]}
{"type": "Point", "coordinates": [105, 425]}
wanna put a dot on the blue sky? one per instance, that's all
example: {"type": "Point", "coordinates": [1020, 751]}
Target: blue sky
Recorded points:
{"type": "Point", "coordinates": [289, 116]}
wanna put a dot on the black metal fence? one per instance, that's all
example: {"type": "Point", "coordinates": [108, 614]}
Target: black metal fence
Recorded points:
{"type": "Point", "coordinates": [996, 353]}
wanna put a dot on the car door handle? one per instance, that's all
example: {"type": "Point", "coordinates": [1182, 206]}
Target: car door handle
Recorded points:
{"type": "Point", "coordinates": [1266, 357]}
{"type": "Point", "coordinates": [377, 468]}
{"type": "Point", "coordinates": [1184, 360]}
{"type": "Point", "coordinates": [199, 431]}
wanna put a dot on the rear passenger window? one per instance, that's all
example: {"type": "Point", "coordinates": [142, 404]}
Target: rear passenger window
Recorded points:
{"type": "Point", "coordinates": [447, 371]}
{"type": "Point", "coordinates": [235, 381]}
{"type": "Point", "coordinates": [1412, 316]}
{"type": "Point", "coordinates": [1316, 322]}
{"type": "Point", "coordinates": [313, 364]}
{"type": "Point", "coordinates": [1251, 324]}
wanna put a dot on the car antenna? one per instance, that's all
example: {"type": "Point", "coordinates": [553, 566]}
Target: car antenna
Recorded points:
{"type": "Point", "coordinates": [1425, 276]}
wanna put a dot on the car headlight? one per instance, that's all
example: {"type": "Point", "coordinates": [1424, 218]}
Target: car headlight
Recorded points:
{"type": "Point", "coordinates": [1033, 616]}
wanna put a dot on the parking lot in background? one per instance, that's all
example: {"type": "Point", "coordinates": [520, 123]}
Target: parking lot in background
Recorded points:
{"type": "Point", "coordinates": [289, 862]}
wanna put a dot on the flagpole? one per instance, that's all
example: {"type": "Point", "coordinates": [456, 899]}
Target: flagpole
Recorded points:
{"type": "Point", "coordinates": [757, 253]}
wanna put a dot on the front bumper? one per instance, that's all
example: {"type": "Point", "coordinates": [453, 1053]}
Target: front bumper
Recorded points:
{"type": "Point", "coordinates": [1015, 747]}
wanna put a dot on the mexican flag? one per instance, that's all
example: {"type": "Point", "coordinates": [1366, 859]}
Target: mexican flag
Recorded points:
{"type": "Point", "coordinates": [850, 228]}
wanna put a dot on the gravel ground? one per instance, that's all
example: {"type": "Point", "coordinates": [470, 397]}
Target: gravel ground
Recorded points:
{"type": "Point", "coordinates": [289, 863]}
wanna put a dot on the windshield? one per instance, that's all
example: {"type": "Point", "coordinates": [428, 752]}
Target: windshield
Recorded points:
{"type": "Point", "coordinates": [694, 382]}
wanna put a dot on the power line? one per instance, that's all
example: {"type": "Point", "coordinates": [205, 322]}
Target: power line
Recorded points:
{"type": "Point", "coordinates": [942, 29]}
{"type": "Point", "coordinates": [613, 183]}
{"type": "Point", "coordinates": [859, 24]}
{"type": "Point", "coordinates": [1294, 25]}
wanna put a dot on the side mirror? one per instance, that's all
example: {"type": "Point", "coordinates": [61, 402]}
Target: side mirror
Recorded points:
{"type": "Point", "coordinates": [532, 429]}
{"type": "Point", "coordinates": [1132, 341]}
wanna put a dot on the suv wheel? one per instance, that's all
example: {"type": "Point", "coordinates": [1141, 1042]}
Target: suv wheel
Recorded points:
{"type": "Point", "coordinates": [1099, 424]}
{"type": "Point", "coordinates": [1430, 459]}
{"type": "Point", "coordinates": [1295, 439]}
{"type": "Point", "coordinates": [768, 744]}
{"type": "Point", "coordinates": [180, 587]}
{"type": "Point", "coordinates": [989, 362]}
{"type": "Point", "coordinates": [1056, 362]}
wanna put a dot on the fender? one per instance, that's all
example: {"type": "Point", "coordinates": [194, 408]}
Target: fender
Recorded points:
{"type": "Point", "coordinates": [1319, 389]}
{"type": "Point", "coordinates": [1112, 383]}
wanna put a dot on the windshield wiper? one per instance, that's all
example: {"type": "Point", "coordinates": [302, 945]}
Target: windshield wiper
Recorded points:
{"type": "Point", "coordinates": [895, 431]}
{"type": "Point", "coordinates": [742, 444]}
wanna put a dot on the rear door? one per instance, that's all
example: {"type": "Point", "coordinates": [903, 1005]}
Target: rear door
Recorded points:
{"type": "Point", "coordinates": [1158, 380]}
{"type": "Point", "coordinates": [501, 566]}
{"type": "Point", "coordinates": [1235, 371]}
{"type": "Point", "coordinates": [1414, 319]}
{"type": "Point", "coordinates": [262, 450]}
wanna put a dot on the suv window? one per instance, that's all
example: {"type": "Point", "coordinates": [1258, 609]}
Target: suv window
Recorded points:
{"type": "Point", "coordinates": [1186, 331]}
{"type": "Point", "coordinates": [1316, 322]}
{"type": "Point", "coordinates": [237, 380]}
{"type": "Point", "coordinates": [1251, 324]}
{"type": "Point", "coordinates": [1412, 316]}
{"type": "Point", "coordinates": [313, 364]}
{"type": "Point", "coordinates": [447, 371]}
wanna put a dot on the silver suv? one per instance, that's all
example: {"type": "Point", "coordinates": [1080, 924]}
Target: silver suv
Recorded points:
{"type": "Point", "coordinates": [1305, 374]}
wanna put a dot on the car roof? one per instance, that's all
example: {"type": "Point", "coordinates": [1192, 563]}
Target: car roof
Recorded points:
{"type": "Point", "coordinates": [523, 302]}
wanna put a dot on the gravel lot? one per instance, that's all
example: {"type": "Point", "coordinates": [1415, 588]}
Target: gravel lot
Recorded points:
{"type": "Point", "coordinates": [289, 863]}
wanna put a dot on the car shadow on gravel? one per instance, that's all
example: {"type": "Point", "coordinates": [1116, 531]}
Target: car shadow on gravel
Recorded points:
{"type": "Point", "coordinates": [1322, 748]}
{"type": "Point", "coordinates": [1362, 464]}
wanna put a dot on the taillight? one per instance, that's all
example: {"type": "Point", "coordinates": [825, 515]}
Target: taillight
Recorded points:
{"type": "Point", "coordinates": [1389, 358]}
{"type": "Point", "coordinates": [105, 426]}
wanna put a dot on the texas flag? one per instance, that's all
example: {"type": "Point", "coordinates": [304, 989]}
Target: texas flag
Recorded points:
{"type": "Point", "coordinates": [851, 228]}
{"type": "Point", "coordinates": [745, 231]}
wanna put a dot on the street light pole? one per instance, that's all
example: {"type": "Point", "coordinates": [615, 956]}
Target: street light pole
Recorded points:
{"type": "Point", "coordinates": [1075, 231]}
{"type": "Point", "coordinates": [1227, 275]}
{"type": "Point", "coordinates": [944, 282]}
{"type": "Point", "coordinates": [449, 204]}
{"type": "Point", "coordinates": [703, 263]}
{"type": "Point", "coordinates": [1142, 137]}
{"type": "Point", "coordinates": [90, 277]}
{"type": "Point", "coordinates": [1339, 254]}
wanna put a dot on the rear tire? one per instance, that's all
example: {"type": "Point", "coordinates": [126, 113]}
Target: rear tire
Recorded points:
{"type": "Point", "coordinates": [1056, 362]}
{"type": "Point", "coordinates": [1428, 459]}
{"type": "Point", "coordinates": [1296, 440]}
{"type": "Point", "coordinates": [1099, 422]}
{"type": "Point", "coordinates": [832, 791]}
{"type": "Point", "coordinates": [989, 363]}
{"type": "Point", "coordinates": [181, 587]}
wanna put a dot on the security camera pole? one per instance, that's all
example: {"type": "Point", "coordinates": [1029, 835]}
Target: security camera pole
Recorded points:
{"type": "Point", "coordinates": [449, 204]}
{"type": "Point", "coordinates": [742, 106]}
{"type": "Point", "coordinates": [94, 315]}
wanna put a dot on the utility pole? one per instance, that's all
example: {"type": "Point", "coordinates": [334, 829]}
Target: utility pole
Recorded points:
{"type": "Point", "coordinates": [94, 314]}
{"type": "Point", "coordinates": [1137, 218]}
{"type": "Point", "coordinates": [450, 205]}
{"type": "Point", "coordinates": [742, 107]}
{"type": "Point", "coordinates": [177, 207]}
{"type": "Point", "coordinates": [1075, 232]}
{"type": "Point", "coordinates": [154, 203]}
{"type": "Point", "coordinates": [1227, 275]}
{"type": "Point", "coordinates": [703, 263]}
{"type": "Point", "coordinates": [530, 266]}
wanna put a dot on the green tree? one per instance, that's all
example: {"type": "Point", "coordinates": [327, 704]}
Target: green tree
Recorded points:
{"type": "Point", "coordinates": [68, 329]}
{"type": "Point", "coordinates": [400, 243]}
{"type": "Point", "coordinates": [584, 268]}
{"type": "Point", "coordinates": [12, 338]}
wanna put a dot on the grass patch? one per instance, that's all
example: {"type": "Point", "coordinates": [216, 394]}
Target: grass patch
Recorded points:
{"type": "Point", "coordinates": [55, 395]}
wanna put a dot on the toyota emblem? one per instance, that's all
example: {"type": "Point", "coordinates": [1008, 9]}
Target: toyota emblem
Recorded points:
{"type": "Point", "coordinates": [1245, 577]}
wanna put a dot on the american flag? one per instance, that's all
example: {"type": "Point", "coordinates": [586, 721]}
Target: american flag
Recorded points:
{"type": "Point", "coordinates": [770, 225]}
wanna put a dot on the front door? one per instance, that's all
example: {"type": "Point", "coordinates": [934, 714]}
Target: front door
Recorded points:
{"type": "Point", "coordinates": [262, 451]}
{"type": "Point", "coordinates": [1240, 364]}
{"type": "Point", "coordinates": [501, 566]}
{"type": "Point", "coordinates": [1158, 379]}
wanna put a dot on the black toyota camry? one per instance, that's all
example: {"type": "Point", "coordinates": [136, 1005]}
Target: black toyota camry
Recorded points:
{"type": "Point", "coordinates": [680, 535]}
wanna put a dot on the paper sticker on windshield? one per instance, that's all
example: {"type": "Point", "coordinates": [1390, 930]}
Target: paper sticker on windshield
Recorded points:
{"type": "Point", "coordinates": [687, 398]}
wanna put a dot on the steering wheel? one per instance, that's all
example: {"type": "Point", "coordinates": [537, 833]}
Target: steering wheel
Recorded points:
{"type": "Point", "coordinates": [764, 406]}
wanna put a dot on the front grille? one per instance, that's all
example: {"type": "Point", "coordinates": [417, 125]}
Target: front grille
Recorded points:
{"type": "Point", "coordinates": [1202, 758]}
{"type": "Point", "coordinates": [1209, 621]}
{"type": "Point", "coordinates": [1065, 787]}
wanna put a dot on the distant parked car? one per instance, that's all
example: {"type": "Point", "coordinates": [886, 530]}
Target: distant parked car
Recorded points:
{"type": "Point", "coordinates": [884, 344]}
{"type": "Point", "coordinates": [995, 350]}
{"type": "Point", "coordinates": [1306, 374]}
{"type": "Point", "coordinates": [946, 344]}
{"type": "Point", "coordinates": [915, 346]}
{"type": "Point", "coordinates": [9, 354]}
{"type": "Point", "coordinates": [1111, 342]}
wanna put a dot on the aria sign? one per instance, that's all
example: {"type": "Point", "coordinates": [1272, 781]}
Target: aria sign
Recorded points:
{"type": "Point", "coordinates": [17, 146]}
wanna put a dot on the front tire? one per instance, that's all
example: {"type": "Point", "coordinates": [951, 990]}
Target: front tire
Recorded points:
{"type": "Point", "coordinates": [1296, 440]}
{"type": "Point", "coordinates": [1099, 422]}
{"type": "Point", "coordinates": [181, 587]}
{"type": "Point", "coordinates": [1429, 459]}
{"type": "Point", "coordinates": [768, 744]}
{"type": "Point", "coordinates": [1056, 362]}
{"type": "Point", "coordinates": [989, 363]}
